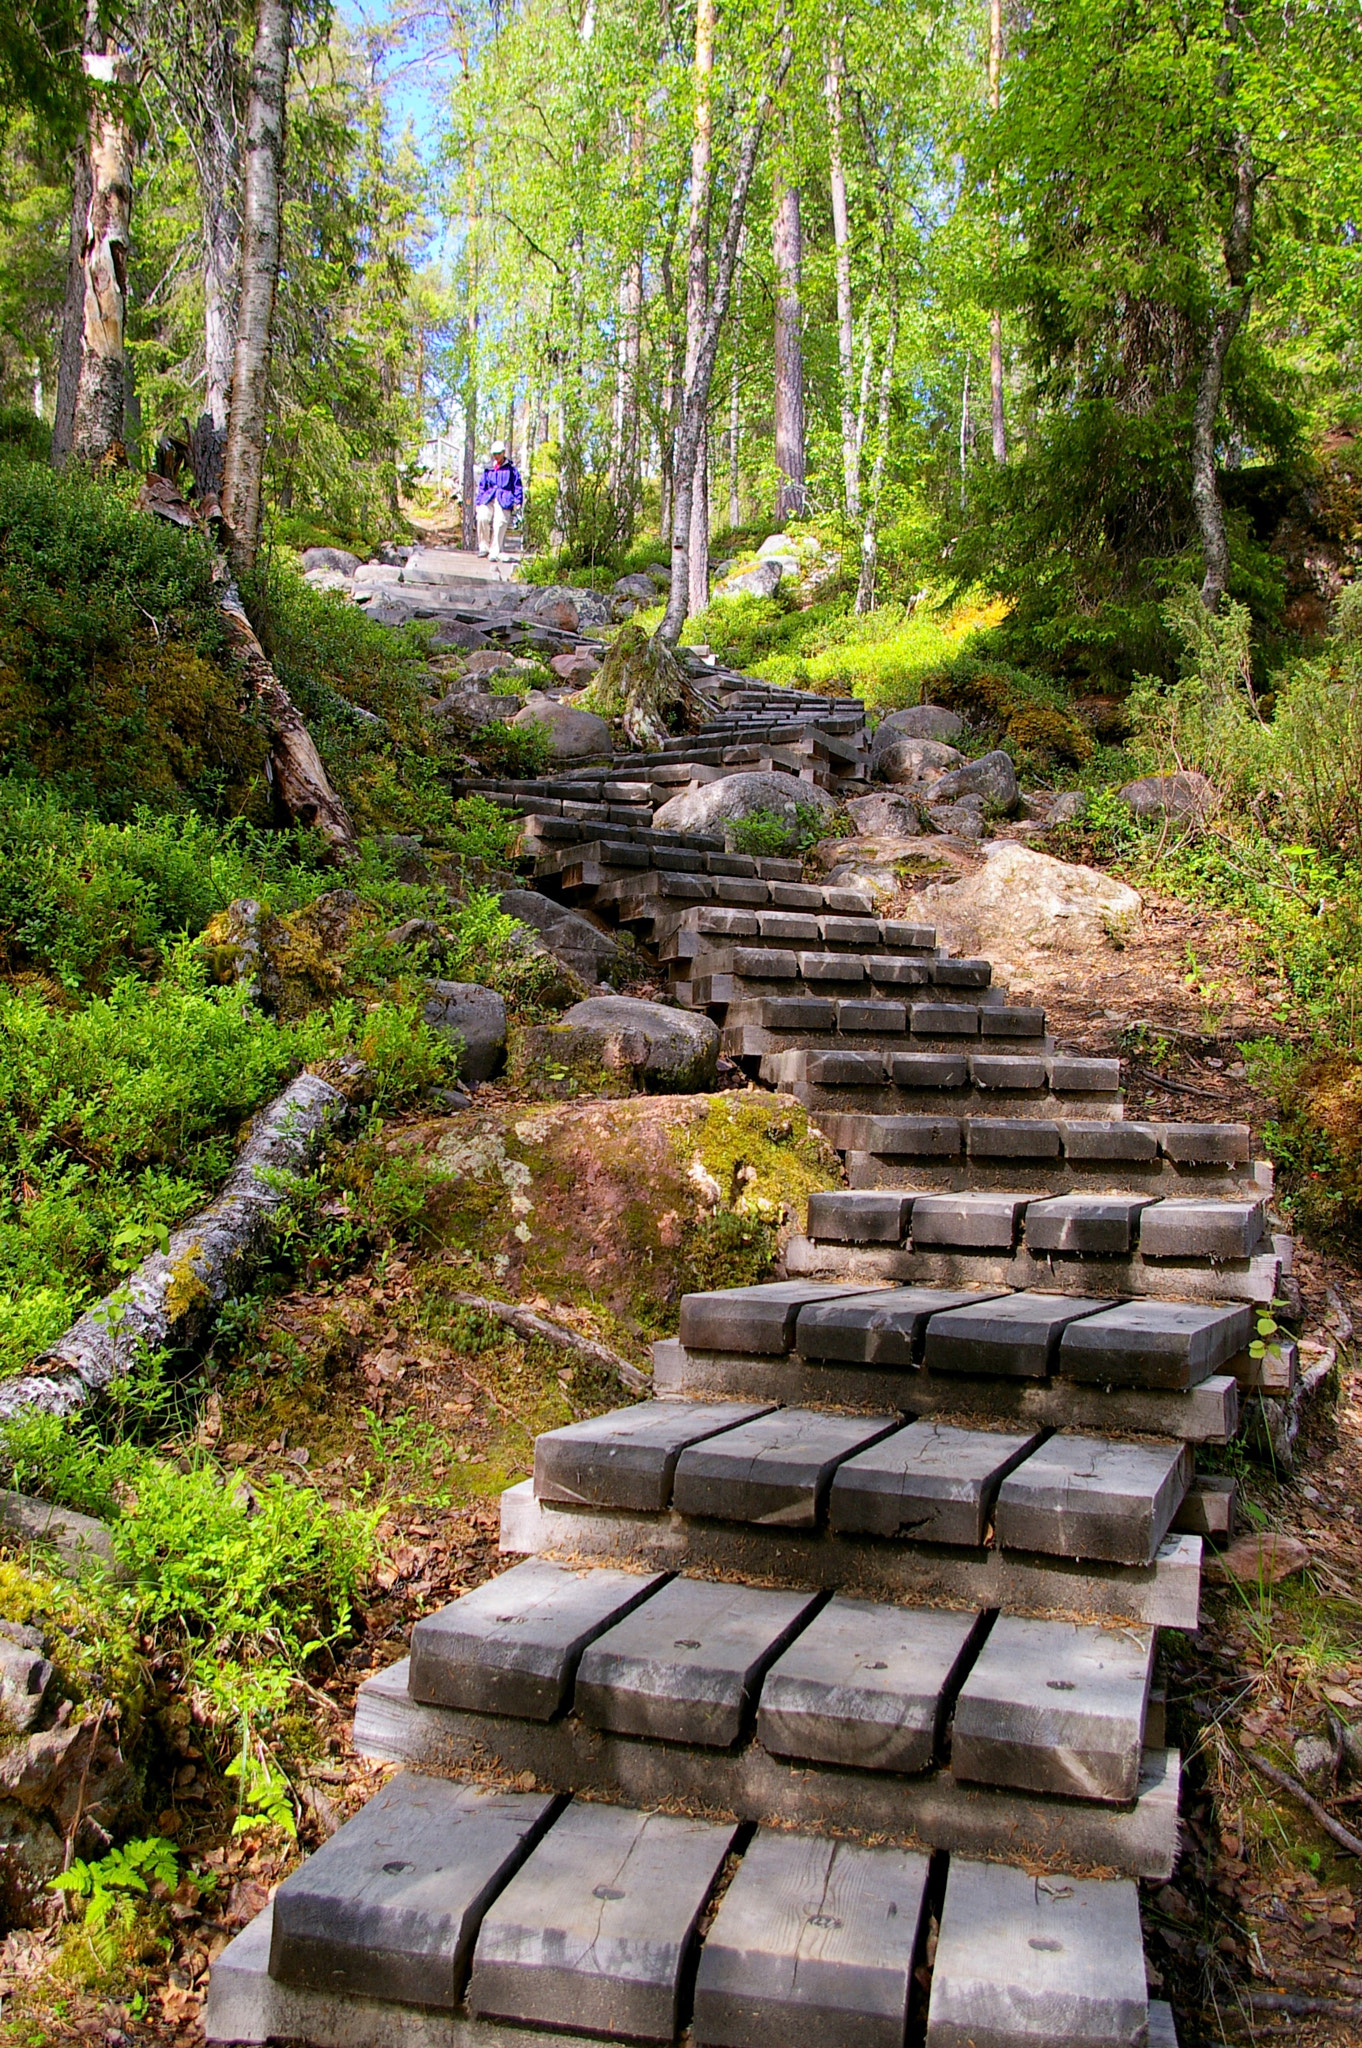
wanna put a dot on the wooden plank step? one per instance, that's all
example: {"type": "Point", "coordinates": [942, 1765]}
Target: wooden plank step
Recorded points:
{"type": "Point", "coordinates": [1153, 1344]}
{"type": "Point", "coordinates": [627, 1459]}
{"type": "Point", "coordinates": [813, 1946]}
{"type": "Point", "coordinates": [1205, 1282]}
{"type": "Point", "coordinates": [885, 1328]}
{"type": "Point", "coordinates": [687, 1665]}
{"type": "Point", "coordinates": [512, 1645]}
{"type": "Point", "coordinates": [933, 1482]}
{"type": "Point", "coordinates": [1016, 1336]}
{"type": "Point", "coordinates": [866, 1685]}
{"type": "Point", "coordinates": [597, 1927]}
{"type": "Point", "coordinates": [390, 1906]}
{"type": "Point", "coordinates": [1093, 1497]}
{"type": "Point", "coordinates": [774, 1471]}
{"type": "Point", "coordinates": [1027, 1963]}
{"type": "Point", "coordinates": [1056, 1706]}
{"type": "Point", "coordinates": [749, 1782]}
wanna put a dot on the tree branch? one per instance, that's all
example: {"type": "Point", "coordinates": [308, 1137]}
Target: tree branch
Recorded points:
{"type": "Point", "coordinates": [526, 1323]}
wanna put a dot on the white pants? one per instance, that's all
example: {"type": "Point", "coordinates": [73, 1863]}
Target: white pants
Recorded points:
{"type": "Point", "coordinates": [493, 521]}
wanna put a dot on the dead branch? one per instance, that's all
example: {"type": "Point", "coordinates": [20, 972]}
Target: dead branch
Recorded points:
{"type": "Point", "coordinates": [526, 1323]}
{"type": "Point", "coordinates": [1287, 1783]}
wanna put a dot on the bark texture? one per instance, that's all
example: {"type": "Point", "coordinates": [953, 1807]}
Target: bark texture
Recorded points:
{"type": "Point", "coordinates": [173, 1297]}
{"type": "Point", "coordinates": [644, 685]}
{"type": "Point", "coordinates": [1224, 325]}
{"type": "Point", "coordinates": [97, 427]}
{"type": "Point", "coordinates": [217, 154]}
{"type": "Point", "coordinates": [73, 310]}
{"type": "Point", "coordinates": [788, 250]}
{"type": "Point", "coordinates": [841, 235]}
{"type": "Point", "coordinates": [695, 536]}
{"type": "Point", "coordinates": [995, 323]}
{"type": "Point", "coordinates": [244, 468]}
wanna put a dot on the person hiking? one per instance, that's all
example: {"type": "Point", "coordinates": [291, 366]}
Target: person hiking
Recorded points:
{"type": "Point", "coordinates": [500, 493]}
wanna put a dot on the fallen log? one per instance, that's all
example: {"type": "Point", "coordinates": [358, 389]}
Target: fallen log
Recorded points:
{"type": "Point", "coordinates": [171, 1300]}
{"type": "Point", "coordinates": [526, 1323]}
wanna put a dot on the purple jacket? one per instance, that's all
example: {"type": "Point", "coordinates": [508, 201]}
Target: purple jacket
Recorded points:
{"type": "Point", "coordinates": [500, 484]}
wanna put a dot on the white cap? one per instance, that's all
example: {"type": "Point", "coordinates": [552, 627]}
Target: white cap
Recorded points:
{"type": "Point", "coordinates": [498, 448]}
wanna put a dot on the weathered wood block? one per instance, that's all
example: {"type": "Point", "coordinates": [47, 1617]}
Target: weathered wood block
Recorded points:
{"type": "Point", "coordinates": [930, 1069]}
{"type": "Point", "coordinates": [390, 1906]}
{"type": "Point", "coordinates": [1055, 1706]}
{"type": "Point", "coordinates": [1167, 1344]}
{"type": "Point", "coordinates": [866, 1216]}
{"type": "Point", "coordinates": [1095, 1224]}
{"type": "Point", "coordinates": [596, 1929]}
{"type": "Point", "coordinates": [1092, 1496]}
{"type": "Point", "coordinates": [1014, 1335]}
{"type": "Point", "coordinates": [974, 1222]}
{"type": "Point", "coordinates": [931, 1482]}
{"type": "Point", "coordinates": [1027, 1962]}
{"type": "Point", "coordinates": [1205, 1144]}
{"type": "Point", "coordinates": [884, 1329]}
{"type": "Point", "coordinates": [1012, 1137]}
{"type": "Point", "coordinates": [511, 1646]}
{"type": "Point", "coordinates": [1208, 1506]}
{"type": "Point", "coordinates": [757, 1319]}
{"type": "Point", "coordinates": [774, 1471]}
{"type": "Point", "coordinates": [866, 1685]}
{"type": "Point", "coordinates": [812, 1947]}
{"type": "Point", "coordinates": [1202, 1230]}
{"type": "Point", "coordinates": [626, 1459]}
{"type": "Point", "coordinates": [1098, 1139]}
{"type": "Point", "coordinates": [686, 1666]}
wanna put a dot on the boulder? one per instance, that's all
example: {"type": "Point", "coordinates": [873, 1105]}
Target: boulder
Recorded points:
{"type": "Point", "coordinates": [1068, 808]}
{"type": "Point", "coordinates": [899, 758]}
{"type": "Point", "coordinates": [576, 668]}
{"type": "Point", "coordinates": [594, 607]}
{"type": "Point", "coordinates": [992, 777]}
{"type": "Point", "coordinates": [555, 606]}
{"type": "Point", "coordinates": [1185, 795]}
{"type": "Point", "coordinates": [923, 722]}
{"type": "Point", "coordinates": [487, 660]}
{"type": "Point", "coordinates": [673, 1052]}
{"type": "Point", "coordinates": [733, 797]}
{"type": "Point", "coordinates": [377, 576]}
{"type": "Point", "coordinates": [572, 939]}
{"type": "Point", "coordinates": [339, 559]}
{"type": "Point", "coordinates": [573, 735]}
{"type": "Point", "coordinates": [964, 820]}
{"type": "Point", "coordinates": [328, 579]}
{"type": "Point", "coordinates": [392, 554]}
{"type": "Point", "coordinates": [1027, 912]}
{"type": "Point", "coordinates": [640, 586]}
{"type": "Point", "coordinates": [475, 1016]}
{"type": "Point", "coordinates": [884, 813]}
{"type": "Point", "coordinates": [761, 580]}
{"type": "Point", "coordinates": [660, 573]}
{"type": "Point", "coordinates": [472, 708]}
{"type": "Point", "coordinates": [454, 633]}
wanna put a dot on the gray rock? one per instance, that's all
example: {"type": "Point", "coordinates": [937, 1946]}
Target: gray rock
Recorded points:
{"type": "Point", "coordinates": [964, 820]}
{"type": "Point", "coordinates": [573, 735]}
{"type": "Point", "coordinates": [477, 1017]}
{"type": "Point", "coordinates": [673, 1051]}
{"type": "Point", "coordinates": [469, 709]}
{"type": "Point", "coordinates": [393, 554]}
{"type": "Point", "coordinates": [487, 660]}
{"type": "Point", "coordinates": [864, 1685]}
{"type": "Point", "coordinates": [834, 1970]}
{"type": "Point", "coordinates": [968, 1222]}
{"type": "Point", "coordinates": [339, 559]}
{"type": "Point", "coordinates": [733, 797]}
{"type": "Point", "coordinates": [570, 937]}
{"type": "Point", "coordinates": [899, 758]}
{"type": "Point", "coordinates": [640, 586]}
{"type": "Point", "coordinates": [556, 605]}
{"type": "Point", "coordinates": [1314, 1755]}
{"type": "Point", "coordinates": [452, 633]}
{"type": "Point", "coordinates": [992, 777]}
{"type": "Point", "coordinates": [761, 580]}
{"type": "Point", "coordinates": [924, 722]}
{"type": "Point", "coordinates": [24, 1678]}
{"type": "Point", "coordinates": [376, 576]}
{"type": "Point", "coordinates": [1185, 795]}
{"type": "Point", "coordinates": [893, 816]}
{"type": "Point", "coordinates": [1068, 807]}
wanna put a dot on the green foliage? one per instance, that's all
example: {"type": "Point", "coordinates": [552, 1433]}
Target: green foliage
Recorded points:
{"type": "Point", "coordinates": [112, 1886]}
{"type": "Point", "coordinates": [263, 1790]}
{"type": "Point", "coordinates": [771, 832]}
{"type": "Point", "coordinates": [483, 831]}
{"type": "Point", "coordinates": [519, 752]}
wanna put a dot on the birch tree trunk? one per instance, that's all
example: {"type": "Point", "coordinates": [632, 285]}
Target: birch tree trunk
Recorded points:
{"type": "Point", "coordinates": [995, 322]}
{"type": "Point", "coordinates": [787, 246]}
{"type": "Point", "coordinates": [218, 159]}
{"type": "Point", "coordinates": [695, 406]}
{"type": "Point", "coordinates": [97, 426]}
{"type": "Point", "coordinates": [841, 235]}
{"type": "Point", "coordinates": [73, 309]}
{"type": "Point", "coordinates": [690, 541]}
{"type": "Point", "coordinates": [870, 547]}
{"type": "Point", "coordinates": [625, 452]}
{"type": "Point", "coordinates": [244, 466]}
{"type": "Point", "coordinates": [1225, 324]}
{"type": "Point", "coordinates": [468, 480]}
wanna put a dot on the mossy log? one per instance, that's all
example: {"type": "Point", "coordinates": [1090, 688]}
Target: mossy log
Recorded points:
{"type": "Point", "coordinates": [645, 688]}
{"type": "Point", "coordinates": [172, 1298]}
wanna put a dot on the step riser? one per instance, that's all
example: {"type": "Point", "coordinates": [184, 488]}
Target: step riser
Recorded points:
{"type": "Point", "coordinates": [1207, 1414]}
{"type": "Point", "coordinates": [1166, 1592]}
{"type": "Point", "coordinates": [1250, 1280]}
{"type": "Point", "coordinates": [968, 1173]}
{"type": "Point", "coordinates": [1139, 1841]}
